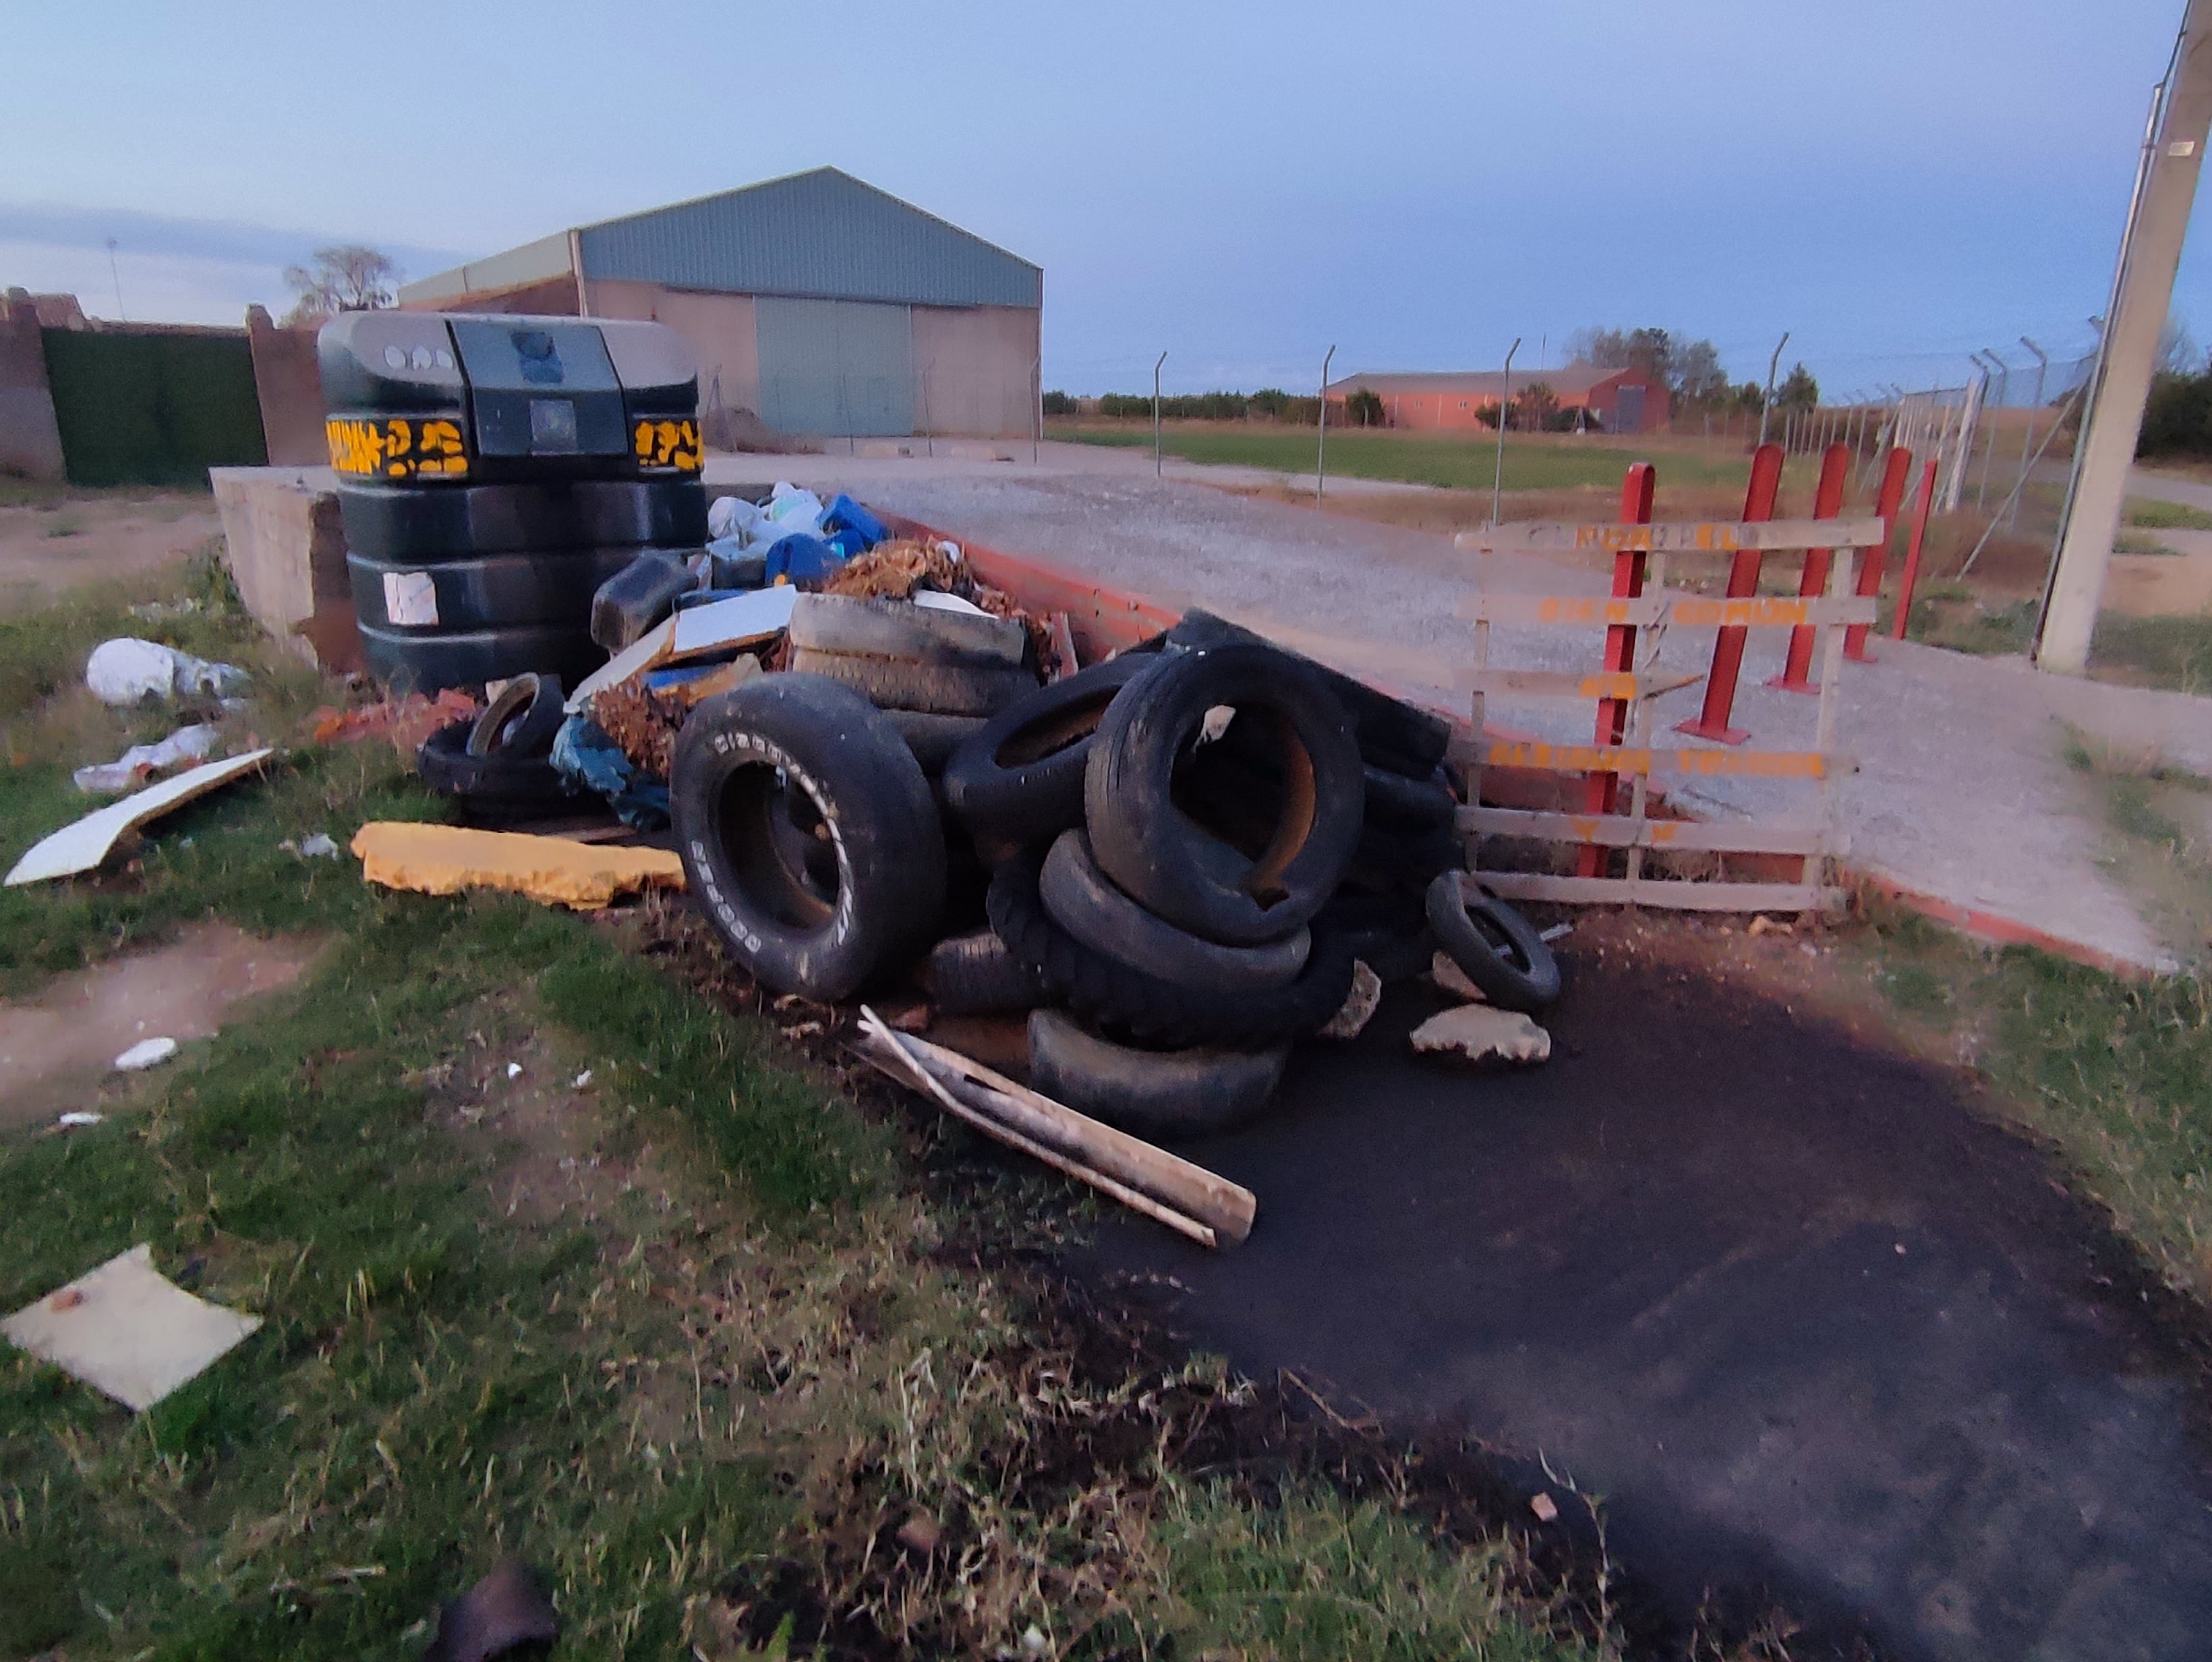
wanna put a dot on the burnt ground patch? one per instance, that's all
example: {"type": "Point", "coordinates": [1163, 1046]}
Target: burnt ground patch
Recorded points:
{"type": "Point", "coordinates": [1819, 1332]}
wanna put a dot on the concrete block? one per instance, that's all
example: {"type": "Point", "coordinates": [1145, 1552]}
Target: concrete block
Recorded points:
{"type": "Point", "coordinates": [289, 387]}
{"type": "Point", "coordinates": [285, 546]}
{"type": "Point", "coordinates": [30, 439]}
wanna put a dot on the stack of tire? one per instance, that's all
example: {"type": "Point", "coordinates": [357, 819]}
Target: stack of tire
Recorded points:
{"type": "Point", "coordinates": [1188, 849]}
{"type": "Point", "coordinates": [493, 472]}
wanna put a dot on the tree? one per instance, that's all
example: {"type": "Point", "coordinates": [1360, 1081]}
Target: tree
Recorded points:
{"type": "Point", "coordinates": [347, 277]}
{"type": "Point", "coordinates": [1363, 407]}
{"type": "Point", "coordinates": [1799, 391]}
{"type": "Point", "coordinates": [1690, 370]}
{"type": "Point", "coordinates": [1534, 411]}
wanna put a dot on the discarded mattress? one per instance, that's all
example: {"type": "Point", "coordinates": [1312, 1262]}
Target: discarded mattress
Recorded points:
{"type": "Point", "coordinates": [446, 858]}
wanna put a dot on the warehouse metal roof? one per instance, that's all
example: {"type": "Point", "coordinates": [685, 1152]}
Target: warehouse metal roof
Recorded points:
{"type": "Point", "coordinates": [821, 233]}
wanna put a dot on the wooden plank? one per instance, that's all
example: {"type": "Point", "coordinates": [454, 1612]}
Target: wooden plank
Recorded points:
{"type": "Point", "coordinates": [1613, 830]}
{"type": "Point", "coordinates": [1666, 763]}
{"type": "Point", "coordinates": [1643, 611]}
{"type": "Point", "coordinates": [890, 1058]}
{"type": "Point", "coordinates": [1706, 536]}
{"type": "Point", "coordinates": [1673, 894]}
{"type": "Point", "coordinates": [1565, 684]}
{"type": "Point", "coordinates": [1213, 1200]}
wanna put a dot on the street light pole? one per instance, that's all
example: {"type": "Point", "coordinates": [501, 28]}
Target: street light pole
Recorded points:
{"type": "Point", "coordinates": [1505, 394]}
{"type": "Point", "coordinates": [1321, 452]}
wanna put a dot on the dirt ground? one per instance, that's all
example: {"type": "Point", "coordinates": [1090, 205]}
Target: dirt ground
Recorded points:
{"type": "Point", "coordinates": [57, 1052]}
{"type": "Point", "coordinates": [47, 545]}
{"type": "Point", "coordinates": [1818, 1331]}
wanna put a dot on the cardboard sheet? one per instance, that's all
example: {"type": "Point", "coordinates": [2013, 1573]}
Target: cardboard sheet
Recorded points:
{"type": "Point", "coordinates": [125, 1330]}
{"type": "Point", "coordinates": [81, 845]}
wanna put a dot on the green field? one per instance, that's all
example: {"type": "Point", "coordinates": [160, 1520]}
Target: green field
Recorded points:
{"type": "Point", "coordinates": [1454, 463]}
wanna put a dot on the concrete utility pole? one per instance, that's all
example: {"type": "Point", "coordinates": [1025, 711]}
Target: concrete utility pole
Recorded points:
{"type": "Point", "coordinates": [2142, 291]}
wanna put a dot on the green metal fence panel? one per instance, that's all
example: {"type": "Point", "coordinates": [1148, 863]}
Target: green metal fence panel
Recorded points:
{"type": "Point", "coordinates": [152, 409]}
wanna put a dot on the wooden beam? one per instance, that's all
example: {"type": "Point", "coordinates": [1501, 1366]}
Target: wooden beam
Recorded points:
{"type": "Point", "coordinates": [1642, 611]}
{"type": "Point", "coordinates": [1565, 684]}
{"type": "Point", "coordinates": [1673, 894]}
{"type": "Point", "coordinates": [1683, 763]}
{"type": "Point", "coordinates": [1709, 536]}
{"type": "Point", "coordinates": [1620, 831]}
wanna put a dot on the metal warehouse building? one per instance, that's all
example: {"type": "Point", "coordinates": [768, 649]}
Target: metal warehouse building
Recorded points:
{"type": "Point", "coordinates": [820, 304]}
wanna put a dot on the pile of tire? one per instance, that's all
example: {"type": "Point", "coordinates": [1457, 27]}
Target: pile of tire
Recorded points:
{"type": "Point", "coordinates": [493, 472]}
{"type": "Point", "coordinates": [1187, 846]}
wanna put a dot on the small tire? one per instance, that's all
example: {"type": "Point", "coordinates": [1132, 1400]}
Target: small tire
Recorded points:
{"type": "Point", "coordinates": [878, 627]}
{"type": "Point", "coordinates": [1020, 779]}
{"type": "Point", "coordinates": [426, 524]}
{"type": "Point", "coordinates": [1144, 1007]}
{"type": "Point", "coordinates": [1392, 735]}
{"type": "Point", "coordinates": [797, 747]}
{"type": "Point", "coordinates": [902, 683]}
{"type": "Point", "coordinates": [498, 788]}
{"type": "Point", "coordinates": [1176, 869]}
{"type": "Point", "coordinates": [521, 721]}
{"type": "Point", "coordinates": [1500, 950]}
{"type": "Point", "coordinates": [1172, 1094]}
{"type": "Point", "coordinates": [934, 739]}
{"type": "Point", "coordinates": [976, 975]}
{"type": "Point", "coordinates": [1080, 898]}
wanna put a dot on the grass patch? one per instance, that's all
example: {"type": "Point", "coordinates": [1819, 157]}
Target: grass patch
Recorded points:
{"type": "Point", "coordinates": [2154, 516]}
{"type": "Point", "coordinates": [1949, 614]}
{"type": "Point", "coordinates": [1461, 464]}
{"type": "Point", "coordinates": [2136, 542]}
{"type": "Point", "coordinates": [680, 1335]}
{"type": "Point", "coordinates": [2173, 653]}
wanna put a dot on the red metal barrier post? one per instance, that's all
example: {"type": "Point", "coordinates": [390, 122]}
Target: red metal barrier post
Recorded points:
{"type": "Point", "coordinates": [1827, 504]}
{"type": "Point", "coordinates": [1712, 722]}
{"type": "Point", "coordinates": [1911, 577]}
{"type": "Point", "coordinates": [1896, 472]}
{"type": "Point", "coordinates": [1628, 567]}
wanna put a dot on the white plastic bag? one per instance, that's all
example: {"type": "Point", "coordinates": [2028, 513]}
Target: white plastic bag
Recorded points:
{"type": "Point", "coordinates": [733, 516]}
{"type": "Point", "coordinates": [124, 670]}
{"type": "Point", "coordinates": [129, 771]}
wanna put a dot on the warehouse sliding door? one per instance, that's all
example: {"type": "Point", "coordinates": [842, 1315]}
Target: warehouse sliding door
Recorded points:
{"type": "Point", "coordinates": [836, 367]}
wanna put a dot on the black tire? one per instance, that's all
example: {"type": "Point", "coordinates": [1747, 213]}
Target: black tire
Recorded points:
{"type": "Point", "coordinates": [1499, 949]}
{"type": "Point", "coordinates": [934, 739]}
{"type": "Point", "coordinates": [1180, 871]}
{"type": "Point", "coordinates": [1404, 804]}
{"type": "Point", "coordinates": [521, 721]}
{"type": "Point", "coordinates": [1170, 1094]}
{"type": "Point", "coordinates": [423, 524]}
{"type": "Point", "coordinates": [499, 591]}
{"type": "Point", "coordinates": [933, 689]}
{"type": "Point", "coordinates": [1388, 933]}
{"type": "Point", "coordinates": [1145, 1008]}
{"type": "Point", "coordinates": [1403, 863]}
{"type": "Point", "coordinates": [498, 788]}
{"type": "Point", "coordinates": [1020, 780]}
{"type": "Point", "coordinates": [800, 749]}
{"type": "Point", "coordinates": [976, 975]}
{"type": "Point", "coordinates": [1391, 734]}
{"type": "Point", "coordinates": [1079, 897]}
{"type": "Point", "coordinates": [877, 627]}
{"type": "Point", "coordinates": [408, 662]}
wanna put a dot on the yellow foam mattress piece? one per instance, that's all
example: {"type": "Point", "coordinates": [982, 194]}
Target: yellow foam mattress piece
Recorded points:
{"type": "Point", "coordinates": [446, 858]}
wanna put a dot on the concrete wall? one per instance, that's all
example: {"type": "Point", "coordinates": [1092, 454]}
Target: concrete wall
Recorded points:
{"type": "Point", "coordinates": [974, 370]}
{"type": "Point", "coordinates": [290, 389]}
{"type": "Point", "coordinates": [30, 441]}
{"type": "Point", "coordinates": [721, 328]}
{"type": "Point", "coordinates": [285, 547]}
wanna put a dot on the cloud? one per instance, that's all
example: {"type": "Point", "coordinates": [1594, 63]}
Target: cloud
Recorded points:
{"type": "Point", "coordinates": [221, 241]}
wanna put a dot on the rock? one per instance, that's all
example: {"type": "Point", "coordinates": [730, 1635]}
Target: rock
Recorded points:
{"type": "Point", "coordinates": [1359, 1004]}
{"type": "Point", "coordinates": [1450, 979]}
{"type": "Point", "coordinates": [1546, 1508]}
{"type": "Point", "coordinates": [1476, 1031]}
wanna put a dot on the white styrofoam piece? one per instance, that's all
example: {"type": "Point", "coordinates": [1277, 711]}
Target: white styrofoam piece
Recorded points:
{"type": "Point", "coordinates": [81, 845]}
{"type": "Point", "coordinates": [734, 621]}
{"type": "Point", "coordinates": [649, 649]}
{"type": "Point", "coordinates": [125, 1330]}
{"type": "Point", "coordinates": [937, 602]}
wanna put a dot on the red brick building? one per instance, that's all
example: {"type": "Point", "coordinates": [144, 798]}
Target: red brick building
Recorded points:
{"type": "Point", "coordinates": [1619, 401]}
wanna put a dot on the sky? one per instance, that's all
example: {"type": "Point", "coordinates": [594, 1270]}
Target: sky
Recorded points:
{"type": "Point", "coordinates": [1895, 182]}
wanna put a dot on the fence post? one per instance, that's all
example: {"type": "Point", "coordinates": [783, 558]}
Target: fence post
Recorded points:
{"type": "Point", "coordinates": [1905, 586]}
{"type": "Point", "coordinates": [1601, 789]}
{"type": "Point", "coordinates": [1712, 722]}
{"type": "Point", "coordinates": [1894, 473]}
{"type": "Point", "coordinates": [1827, 504]}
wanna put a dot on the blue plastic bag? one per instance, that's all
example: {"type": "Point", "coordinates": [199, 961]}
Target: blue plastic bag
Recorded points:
{"type": "Point", "coordinates": [799, 558]}
{"type": "Point", "coordinates": [844, 516]}
{"type": "Point", "coordinates": [582, 752]}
